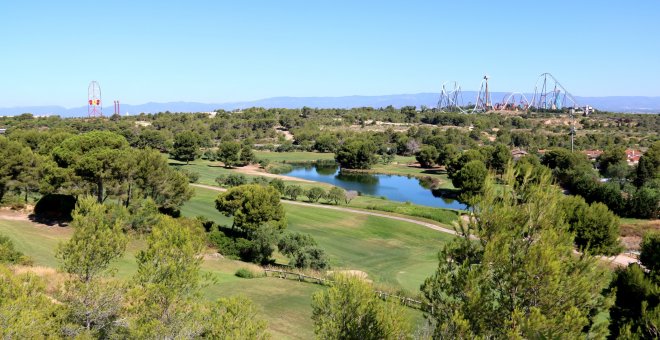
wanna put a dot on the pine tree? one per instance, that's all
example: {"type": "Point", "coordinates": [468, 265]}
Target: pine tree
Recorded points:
{"type": "Point", "coordinates": [520, 278]}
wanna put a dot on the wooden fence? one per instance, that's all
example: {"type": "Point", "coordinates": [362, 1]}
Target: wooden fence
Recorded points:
{"type": "Point", "coordinates": [406, 301]}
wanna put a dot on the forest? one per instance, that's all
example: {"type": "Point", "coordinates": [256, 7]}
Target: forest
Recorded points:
{"type": "Point", "coordinates": [527, 258]}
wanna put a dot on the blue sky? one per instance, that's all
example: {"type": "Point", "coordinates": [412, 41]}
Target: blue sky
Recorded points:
{"type": "Point", "coordinates": [219, 51]}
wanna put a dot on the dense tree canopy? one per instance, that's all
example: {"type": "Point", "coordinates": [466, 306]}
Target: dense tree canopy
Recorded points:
{"type": "Point", "coordinates": [356, 154]}
{"type": "Point", "coordinates": [186, 147]}
{"type": "Point", "coordinates": [521, 278]}
{"type": "Point", "coordinates": [350, 310]}
{"type": "Point", "coordinates": [252, 205]}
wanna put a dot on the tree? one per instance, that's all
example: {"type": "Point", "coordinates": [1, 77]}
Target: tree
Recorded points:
{"type": "Point", "coordinates": [168, 277]}
{"type": "Point", "coordinates": [649, 165]}
{"type": "Point", "coordinates": [446, 154]}
{"type": "Point", "coordinates": [97, 157]}
{"type": "Point", "coordinates": [16, 161]}
{"type": "Point", "coordinates": [635, 313]}
{"type": "Point", "coordinates": [645, 201]}
{"type": "Point", "coordinates": [95, 243]}
{"type": "Point", "coordinates": [310, 257]}
{"type": "Point", "coordinates": [229, 154]}
{"type": "Point", "coordinates": [471, 177]}
{"type": "Point", "coordinates": [326, 143]}
{"type": "Point", "coordinates": [234, 318]}
{"type": "Point", "coordinates": [459, 161]}
{"type": "Point", "coordinates": [278, 184]}
{"type": "Point", "coordinates": [357, 154]}
{"type": "Point", "coordinates": [350, 195]}
{"type": "Point", "coordinates": [247, 155]}
{"type": "Point", "coordinates": [26, 312]}
{"type": "Point", "coordinates": [349, 309]}
{"type": "Point", "coordinates": [336, 194]}
{"type": "Point", "coordinates": [611, 156]}
{"type": "Point", "coordinates": [9, 254]}
{"type": "Point", "coordinates": [290, 243]}
{"type": "Point", "coordinates": [186, 147]}
{"type": "Point", "coordinates": [520, 278]}
{"type": "Point", "coordinates": [650, 251]}
{"type": "Point", "coordinates": [500, 157]}
{"type": "Point", "coordinates": [252, 205]}
{"type": "Point", "coordinates": [595, 226]}
{"type": "Point", "coordinates": [154, 139]}
{"type": "Point", "coordinates": [293, 191]}
{"type": "Point", "coordinates": [426, 156]}
{"type": "Point", "coordinates": [314, 194]}
{"type": "Point", "coordinates": [156, 179]}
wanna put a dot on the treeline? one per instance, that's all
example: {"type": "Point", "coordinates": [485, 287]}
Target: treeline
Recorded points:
{"type": "Point", "coordinates": [98, 163]}
{"type": "Point", "coordinates": [323, 129]}
{"type": "Point", "coordinates": [628, 191]}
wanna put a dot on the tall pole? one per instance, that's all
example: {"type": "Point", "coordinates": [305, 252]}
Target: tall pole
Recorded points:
{"type": "Point", "coordinates": [572, 113]}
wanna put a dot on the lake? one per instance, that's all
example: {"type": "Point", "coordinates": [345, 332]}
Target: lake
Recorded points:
{"type": "Point", "coordinates": [394, 187]}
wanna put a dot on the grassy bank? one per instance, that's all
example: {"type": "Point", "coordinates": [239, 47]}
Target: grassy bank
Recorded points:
{"type": "Point", "coordinates": [394, 252]}
{"type": "Point", "coordinates": [208, 171]}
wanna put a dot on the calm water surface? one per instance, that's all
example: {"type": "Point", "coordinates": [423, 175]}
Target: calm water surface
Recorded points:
{"type": "Point", "coordinates": [395, 188]}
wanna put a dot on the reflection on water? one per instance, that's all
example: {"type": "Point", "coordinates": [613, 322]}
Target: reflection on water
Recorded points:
{"type": "Point", "coordinates": [395, 188]}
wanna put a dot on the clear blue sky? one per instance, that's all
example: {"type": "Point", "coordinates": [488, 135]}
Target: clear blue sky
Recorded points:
{"type": "Point", "coordinates": [219, 51]}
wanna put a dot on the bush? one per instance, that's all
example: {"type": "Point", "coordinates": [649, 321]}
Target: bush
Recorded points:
{"type": "Point", "coordinates": [245, 273]}
{"type": "Point", "coordinates": [315, 194]}
{"type": "Point", "coordinates": [279, 168]}
{"type": "Point", "coordinates": [225, 245]}
{"type": "Point", "coordinates": [278, 184]}
{"type": "Point", "coordinates": [55, 207]}
{"type": "Point", "coordinates": [310, 257]}
{"type": "Point", "coordinates": [263, 163]}
{"type": "Point", "coordinates": [293, 191]}
{"type": "Point", "coordinates": [192, 176]}
{"type": "Point", "coordinates": [231, 180]}
{"type": "Point", "coordinates": [260, 180]}
{"type": "Point", "coordinates": [9, 254]}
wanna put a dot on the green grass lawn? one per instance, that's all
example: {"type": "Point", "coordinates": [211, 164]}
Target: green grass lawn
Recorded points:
{"type": "Point", "coordinates": [293, 157]}
{"type": "Point", "coordinates": [392, 252]}
{"type": "Point", "coordinates": [285, 304]}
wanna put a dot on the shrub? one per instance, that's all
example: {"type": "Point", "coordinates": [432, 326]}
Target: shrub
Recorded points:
{"type": "Point", "coordinates": [225, 245]}
{"type": "Point", "coordinates": [260, 180]}
{"type": "Point", "coordinates": [9, 254]}
{"type": "Point", "coordinates": [231, 180]}
{"type": "Point", "coordinates": [293, 191]}
{"type": "Point", "coordinates": [279, 168]}
{"type": "Point", "coordinates": [315, 194]}
{"type": "Point", "coordinates": [192, 176]}
{"type": "Point", "coordinates": [278, 184]}
{"type": "Point", "coordinates": [245, 273]}
{"type": "Point", "coordinates": [55, 207]}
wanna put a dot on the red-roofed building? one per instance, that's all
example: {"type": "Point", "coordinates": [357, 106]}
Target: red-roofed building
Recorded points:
{"type": "Point", "coordinates": [632, 156]}
{"type": "Point", "coordinates": [592, 154]}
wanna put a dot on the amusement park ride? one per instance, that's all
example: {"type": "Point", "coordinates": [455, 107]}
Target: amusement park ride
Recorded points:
{"type": "Point", "coordinates": [549, 94]}
{"type": "Point", "coordinates": [94, 107]}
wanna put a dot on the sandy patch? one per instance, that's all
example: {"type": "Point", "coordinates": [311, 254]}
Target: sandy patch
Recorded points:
{"type": "Point", "coordinates": [255, 170]}
{"type": "Point", "coordinates": [287, 134]}
{"type": "Point", "coordinates": [353, 273]}
{"type": "Point", "coordinates": [12, 215]}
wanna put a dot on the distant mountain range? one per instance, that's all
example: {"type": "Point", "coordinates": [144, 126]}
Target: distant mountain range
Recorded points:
{"type": "Point", "coordinates": [628, 104]}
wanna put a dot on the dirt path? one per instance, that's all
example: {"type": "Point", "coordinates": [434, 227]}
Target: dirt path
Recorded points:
{"type": "Point", "coordinates": [287, 134]}
{"type": "Point", "coordinates": [621, 259]}
{"type": "Point", "coordinates": [354, 211]}
{"type": "Point", "coordinates": [12, 215]}
{"type": "Point", "coordinates": [254, 170]}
